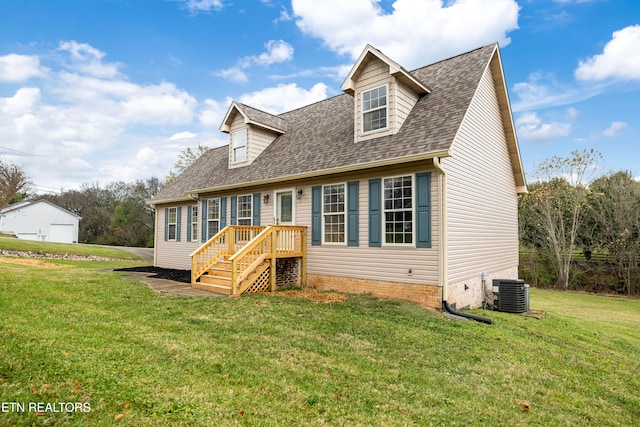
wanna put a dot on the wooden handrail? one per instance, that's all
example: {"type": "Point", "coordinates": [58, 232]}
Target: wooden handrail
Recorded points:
{"type": "Point", "coordinates": [210, 251]}
{"type": "Point", "coordinates": [244, 259]}
{"type": "Point", "coordinates": [226, 242]}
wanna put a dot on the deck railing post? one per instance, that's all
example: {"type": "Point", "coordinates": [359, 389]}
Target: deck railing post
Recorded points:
{"type": "Point", "coordinates": [303, 262]}
{"type": "Point", "coordinates": [274, 255]}
{"type": "Point", "coordinates": [234, 276]}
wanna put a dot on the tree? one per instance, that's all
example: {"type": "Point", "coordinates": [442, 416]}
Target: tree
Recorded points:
{"type": "Point", "coordinates": [185, 159]}
{"type": "Point", "coordinates": [614, 224]}
{"type": "Point", "coordinates": [15, 185]}
{"type": "Point", "coordinates": [117, 214]}
{"type": "Point", "coordinates": [554, 209]}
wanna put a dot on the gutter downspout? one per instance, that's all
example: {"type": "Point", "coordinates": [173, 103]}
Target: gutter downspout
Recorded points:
{"type": "Point", "coordinates": [444, 269]}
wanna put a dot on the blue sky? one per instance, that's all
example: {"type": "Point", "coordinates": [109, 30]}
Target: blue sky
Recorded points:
{"type": "Point", "coordinates": [95, 91]}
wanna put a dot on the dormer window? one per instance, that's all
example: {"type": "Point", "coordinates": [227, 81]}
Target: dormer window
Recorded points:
{"type": "Point", "coordinates": [239, 141]}
{"type": "Point", "coordinates": [374, 109]}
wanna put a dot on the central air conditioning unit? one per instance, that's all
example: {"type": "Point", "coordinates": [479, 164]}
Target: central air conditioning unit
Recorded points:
{"type": "Point", "coordinates": [510, 296]}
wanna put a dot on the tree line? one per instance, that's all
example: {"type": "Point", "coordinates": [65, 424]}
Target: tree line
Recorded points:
{"type": "Point", "coordinates": [578, 231]}
{"type": "Point", "coordinates": [116, 214]}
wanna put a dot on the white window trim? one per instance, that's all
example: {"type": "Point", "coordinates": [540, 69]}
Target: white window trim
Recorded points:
{"type": "Point", "coordinates": [362, 111]}
{"type": "Point", "coordinates": [345, 213]}
{"type": "Point", "coordinates": [212, 220]}
{"type": "Point", "coordinates": [250, 217]}
{"type": "Point", "coordinates": [195, 225]}
{"type": "Point", "coordinates": [233, 146]}
{"type": "Point", "coordinates": [169, 224]}
{"type": "Point", "coordinates": [413, 213]}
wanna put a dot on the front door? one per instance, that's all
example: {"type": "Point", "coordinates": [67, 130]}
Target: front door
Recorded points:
{"type": "Point", "coordinates": [285, 207]}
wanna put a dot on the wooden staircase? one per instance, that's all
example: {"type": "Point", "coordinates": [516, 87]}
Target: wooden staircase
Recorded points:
{"type": "Point", "coordinates": [241, 259]}
{"type": "Point", "coordinates": [218, 279]}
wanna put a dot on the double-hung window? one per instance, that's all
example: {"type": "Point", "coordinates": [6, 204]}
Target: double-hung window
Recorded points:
{"type": "Point", "coordinates": [398, 210]}
{"type": "Point", "coordinates": [333, 213]}
{"type": "Point", "coordinates": [172, 223]}
{"type": "Point", "coordinates": [374, 109]}
{"type": "Point", "coordinates": [239, 140]}
{"type": "Point", "coordinates": [213, 217]}
{"type": "Point", "coordinates": [245, 210]}
{"type": "Point", "coordinates": [194, 223]}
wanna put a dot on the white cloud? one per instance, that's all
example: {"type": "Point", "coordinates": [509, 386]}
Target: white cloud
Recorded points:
{"type": "Point", "coordinates": [542, 90]}
{"type": "Point", "coordinates": [85, 121]}
{"type": "Point", "coordinates": [24, 101]}
{"type": "Point", "coordinates": [416, 33]}
{"type": "Point", "coordinates": [88, 60]}
{"type": "Point", "coordinates": [531, 127]}
{"type": "Point", "coordinates": [18, 68]}
{"type": "Point", "coordinates": [234, 74]}
{"type": "Point", "coordinates": [284, 97]}
{"type": "Point", "coordinates": [182, 135]}
{"type": "Point", "coordinates": [159, 104]}
{"type": "Point", "coordinates": [338, 73]}
{"type": "Point", "coordinates": [277, 51]}
{"type": "Point", "coordinates": [614, 129]}
{"type": "Point", "coordinates": [202, 6]}
{"type": "Point", "coordinates": [285, 16]}
{"type": "Point", "coordinates": [620, 58]}
{"type": "Point", "coordinates": [213, 112]}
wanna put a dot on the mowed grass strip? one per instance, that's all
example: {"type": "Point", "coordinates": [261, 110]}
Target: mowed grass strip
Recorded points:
{"type": "Point", "coordinates": [83, 335]}
{"type": "Point", "coordinates": [13, 244]}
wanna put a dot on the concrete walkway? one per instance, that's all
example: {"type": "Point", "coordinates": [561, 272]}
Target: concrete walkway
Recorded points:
{"type": "Point", "coordinates": [169, 286]}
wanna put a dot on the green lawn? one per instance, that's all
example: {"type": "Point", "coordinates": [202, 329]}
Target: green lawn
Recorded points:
{"type": "Point", "coordinates": [77, 333]}
{"type": "Point", "coordinates": [9, 243]}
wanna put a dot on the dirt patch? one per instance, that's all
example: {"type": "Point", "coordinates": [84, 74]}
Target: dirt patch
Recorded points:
{"type": "Point", "coordinates": [312, 294]}
{"type": "Point", "coordinates": [32, 262]}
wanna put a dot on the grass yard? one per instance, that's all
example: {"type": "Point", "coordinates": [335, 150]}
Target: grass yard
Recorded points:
{"type": "Point", "coordinates": [76, 333]}
{"type": "Point", "coordinates": [13, 244]}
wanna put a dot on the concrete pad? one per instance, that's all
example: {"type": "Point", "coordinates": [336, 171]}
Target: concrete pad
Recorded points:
{"type": "Point", "coordinates": [169, 286]}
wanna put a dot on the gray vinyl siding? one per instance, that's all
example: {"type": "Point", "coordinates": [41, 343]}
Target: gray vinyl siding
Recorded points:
{"type": "Point", "coordinates": [400, 99]}
{"type": "Point", "coordinates": [374, 74]}
{"type": "Point", "coordinates": [257, 140]}
{"type": "Point", "coordinates": [260, 139]}
{"type": "Point", "coordinates": [481, 192]}
{"type": "Point", "coordinates": [386, 263]}
{"type": "Point", "coordinates": [174, 254]}
{"type": "Point", "coordinates": [405, 100]}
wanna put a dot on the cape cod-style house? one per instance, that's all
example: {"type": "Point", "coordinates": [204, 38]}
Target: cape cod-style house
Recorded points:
{"type": "Point", "coordinates": [406, 186]}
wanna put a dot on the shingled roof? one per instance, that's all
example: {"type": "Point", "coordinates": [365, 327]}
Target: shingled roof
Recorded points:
{"type": "Point", "coordinates": [319, 138]}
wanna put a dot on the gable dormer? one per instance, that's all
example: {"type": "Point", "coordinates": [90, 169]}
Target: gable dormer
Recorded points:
{"type": "Point", "coordinates": [250, 132]}
{"type": "Point", "coordinates": [383, 94]}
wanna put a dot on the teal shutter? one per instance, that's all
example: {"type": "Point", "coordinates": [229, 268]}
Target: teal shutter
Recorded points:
{"type": "Point", "coordinates": [166, 224]}
{"type": "Point", "coordinates": [189, 212]}
{"type": "Point", "coordinates": [234, 210]}
{"type": "Point", "coordinates": [256, 208]}
{"type": "Point", "coordinates": [203, 235]}
{"type": "Point", "coordinates": [375, 213]}
{"type": "Point", "coordinates": [423, 210]}
{"type": "Point", "coordinates": [223, 212]}
{"type": "Point", "coordinates": [352, 213]}
{"type": "Point", "coordinates": [178, 220]}
{"type": "Point", "coordinates": [316, 215]}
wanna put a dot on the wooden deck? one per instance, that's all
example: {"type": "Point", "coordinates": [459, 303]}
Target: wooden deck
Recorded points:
{"type": "Point", "coordinates": [242, 259]}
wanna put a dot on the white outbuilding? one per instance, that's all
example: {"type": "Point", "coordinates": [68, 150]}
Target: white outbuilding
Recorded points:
{"type": "Point", "coordinates": [40, 220]}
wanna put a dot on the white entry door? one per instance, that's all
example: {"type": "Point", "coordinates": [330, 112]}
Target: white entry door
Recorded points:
{"type": "Point", "coordinates": [285, 207]}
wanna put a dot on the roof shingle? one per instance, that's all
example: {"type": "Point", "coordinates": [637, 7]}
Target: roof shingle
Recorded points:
{"type": "Point", "coordinates": [320, 137]}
